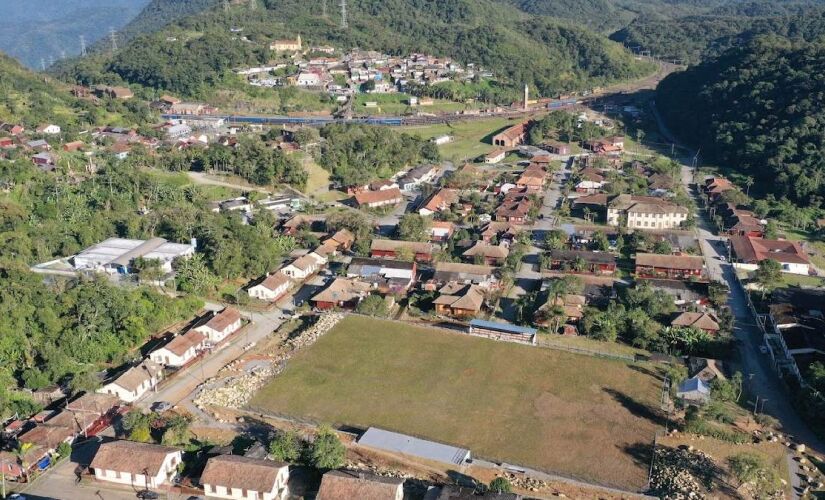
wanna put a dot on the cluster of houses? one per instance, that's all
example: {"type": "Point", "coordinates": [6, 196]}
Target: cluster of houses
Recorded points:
{"type": "Point", "coordinates": [146, 466]}
{"type": "Point", "coordinates": [795, 330]}
{"type": "Point", "coordinates": [748, 244]}
{"type": "Point", "coordinates": [344, 74]}
{"type": "Point", "coordinates": [92, 412]}
{"type": "Point", "coordinates": [176, 352]}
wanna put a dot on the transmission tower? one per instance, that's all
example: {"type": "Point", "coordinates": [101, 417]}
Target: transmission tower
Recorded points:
{"type": "Point", "coordinates": [324, 8]}
{"type": "Point", "coordinates": [253, 4]}
{"type": "Point", "coordinates": [43, 64]}
{"type": "Point", "coordinates": [344, 24]}
{"type": "Point", "coordinates": [62, 54]}
{"type": "Point", "coordinates": [82, 45]}
{"type": "Point", "coordinates": [113, 37]}
{"type": "Point", "coordinates": [226, 5]}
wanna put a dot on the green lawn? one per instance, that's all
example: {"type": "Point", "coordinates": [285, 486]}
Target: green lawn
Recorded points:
{"type": "Point", "coordinates": [470, 138]}
{"type": "Point", "coordinates": [553, 410]}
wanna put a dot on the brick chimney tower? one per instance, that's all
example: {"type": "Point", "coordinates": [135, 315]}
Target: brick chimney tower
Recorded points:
{"type": "Point", "coordinates": [526, 96]}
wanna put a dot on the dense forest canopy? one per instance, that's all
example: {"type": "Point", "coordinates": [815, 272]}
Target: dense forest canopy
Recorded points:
{"type": "Point", "coordinates": [196, 53]}
{"type": "Point", "coordinates": [357, 154]}
{"type": "Point", "coordinates": [692, 38]}
{"type": "Point", "coordinates": [758, 109]}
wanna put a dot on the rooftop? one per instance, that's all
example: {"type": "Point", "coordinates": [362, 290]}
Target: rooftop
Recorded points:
{"type": "Point", "coordinates": [131, 457]}
{"type": "Point", "coordinates": [670, 261]}
{"type": "Point", "coordinates": [343, 484]}
{"type": "Point", "coordinates": [401, 443]}
{"type": "Point", "coordinates": [234, 471]}
{"type": "Point", "coordinates": [502, 327]}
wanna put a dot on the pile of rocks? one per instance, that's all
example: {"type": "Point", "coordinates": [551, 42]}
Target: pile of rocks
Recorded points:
{"type": "Point", "coordinates": [238, 390]}
{"type": "Point", "coordinates": [681, 473]}
{"type": "Point", "coordinates": [526, 482]}
{"type": "Point", "coordinates": [378, 471]}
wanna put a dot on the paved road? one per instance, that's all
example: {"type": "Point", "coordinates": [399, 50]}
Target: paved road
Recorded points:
{"type": "Point", "coordinates": [762, 379]}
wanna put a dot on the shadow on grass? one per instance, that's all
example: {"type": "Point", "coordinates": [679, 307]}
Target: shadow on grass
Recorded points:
{"type": "Point", "coordinates": [648, 371]}
{"type": "Point", "coordinates": [640, 453]}
{"type": "Point", "coordinates": [636, 408]}
{"type": "Point", "coordinates": [461, 479]}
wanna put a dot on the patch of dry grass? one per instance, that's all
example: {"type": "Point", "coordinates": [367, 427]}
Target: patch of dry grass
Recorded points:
{"type": "Point", "coordinates": [578, 416]}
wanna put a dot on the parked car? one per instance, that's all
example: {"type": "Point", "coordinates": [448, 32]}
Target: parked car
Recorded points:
{"type": "Point", "coordinates": [161, 406]}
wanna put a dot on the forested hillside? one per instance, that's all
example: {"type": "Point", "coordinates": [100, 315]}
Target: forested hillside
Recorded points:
{"type": "Point", "coordinates": [33, 99]}
{"type": "Point", "coordinates": [196, 53]}
{"type": "Point", "coordinates": [757, 108]}
{"type": "Point", "coordinates": [160, 13]}
{"type": "Point", "coordinates": [32, 30]}
{"type": "Point", "coordinates": [692, 38]}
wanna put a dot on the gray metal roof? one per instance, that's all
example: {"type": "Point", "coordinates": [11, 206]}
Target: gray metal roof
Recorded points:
{"type": "Point", "coordinates": [408, 445]}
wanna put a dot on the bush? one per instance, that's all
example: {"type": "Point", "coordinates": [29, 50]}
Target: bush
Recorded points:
{"type": "Point", "coordinates": [500, 485]}
{"type": "Point", "coordinates": [327, 451]}
{"type": "Point", "coordinates": [286, 447]}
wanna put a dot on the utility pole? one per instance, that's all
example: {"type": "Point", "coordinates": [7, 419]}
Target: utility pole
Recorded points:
{"type": "Point", "coordinates": [82, 45]}
{"type": "Point", "coordinates": [344, 24]}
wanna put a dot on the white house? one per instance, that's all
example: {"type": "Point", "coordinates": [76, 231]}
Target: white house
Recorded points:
{"type": "Point", "coordinates": [305, 266]}
{"type": "Point", "coordinates": [495, 156]}
{"type": "Point", "coordinates": [140, 465]}
{"type": "Point", "coordinates": [242, 478]}
{"type": "Point", "coordinates": [135, 381]}
{"type": "Point", "coordinates": [221, 325]}
{"type": "Point", "coordinates": [694, 391]}
{"type": "Point", "coordinates": [271, 288]}
{"type": "Point", "coordinates": [49, 129]}
{"type": "Point", "coordinates": [308, 79]}
{"type": "Point", "coordinates": [180, 350]}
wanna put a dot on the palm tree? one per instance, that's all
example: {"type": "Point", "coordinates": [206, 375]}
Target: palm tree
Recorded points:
{"type": "Point", "coordinates": [748, 184]}
{"type": "Point", "coordinates": [587, 214]}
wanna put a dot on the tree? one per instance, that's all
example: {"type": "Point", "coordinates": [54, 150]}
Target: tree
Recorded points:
{"type": "Point", "coordinates": [193, 276]}
{"type": "Point", "coordinates": [728, 390]}
{"type": "Point", "coordinates": [500, 485]}
{"type": "Point", "coordinates": [600, 241]}
{"type": "Point", "coordinates": [327, 451]}
{"type": "Point", "coordinates": [600, 326]}
{"type": "Point", "coordinates": [768, 275]}
{"type": "Point", "coordinates": [374, 305]}
{"type": "Point", "coordinates": [414, 227]}
{"type": "Point", "coordinates": [176, 431]}
{"type": "Point", "coordinates": [718, 293]}
{"type": "Point", "coordinates": [771, 230]}
{"type": "Point", "coordinates": [555, 239]}
{"type": "Point", "coordinates": [662, 247]}
{"type": "Point", "coordinates": [285, 446]}
{"type": "Point", "coordinates": [138, 426]}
